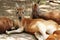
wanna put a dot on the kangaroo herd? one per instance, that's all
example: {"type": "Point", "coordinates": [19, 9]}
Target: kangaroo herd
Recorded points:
{"type": "Point", "coordinates": [44, 26]}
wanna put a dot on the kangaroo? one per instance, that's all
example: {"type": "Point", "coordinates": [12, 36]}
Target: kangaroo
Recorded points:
{"type": "Point", "coordinates": [50, 15]}
{"type": "Point", "coordinates": [39, 27]}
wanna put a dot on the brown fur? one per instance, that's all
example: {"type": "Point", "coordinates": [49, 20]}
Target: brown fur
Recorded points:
{"type": "Point", "coordinates": [5, 24]}
{"type": "Point", "coordinates": [54, 36]}
{"type": "Point", "coordinates": [27, 23]}
{"type": "Point", "coordinates": [54, 15]}
{"type": "Point", "coordinates": [35, 13]}
{"type": "Point", "coordinates": [20, 9]}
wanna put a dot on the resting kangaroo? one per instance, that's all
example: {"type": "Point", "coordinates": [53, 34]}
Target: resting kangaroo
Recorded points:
{"type": "Point", "coordinates": [51, 15]}
{"type": "Point", "coordinates": [37, 27]}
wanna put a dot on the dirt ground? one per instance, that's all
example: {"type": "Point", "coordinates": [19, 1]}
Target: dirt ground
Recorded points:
{"type": "Point", "coordinates": [22, 36]}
